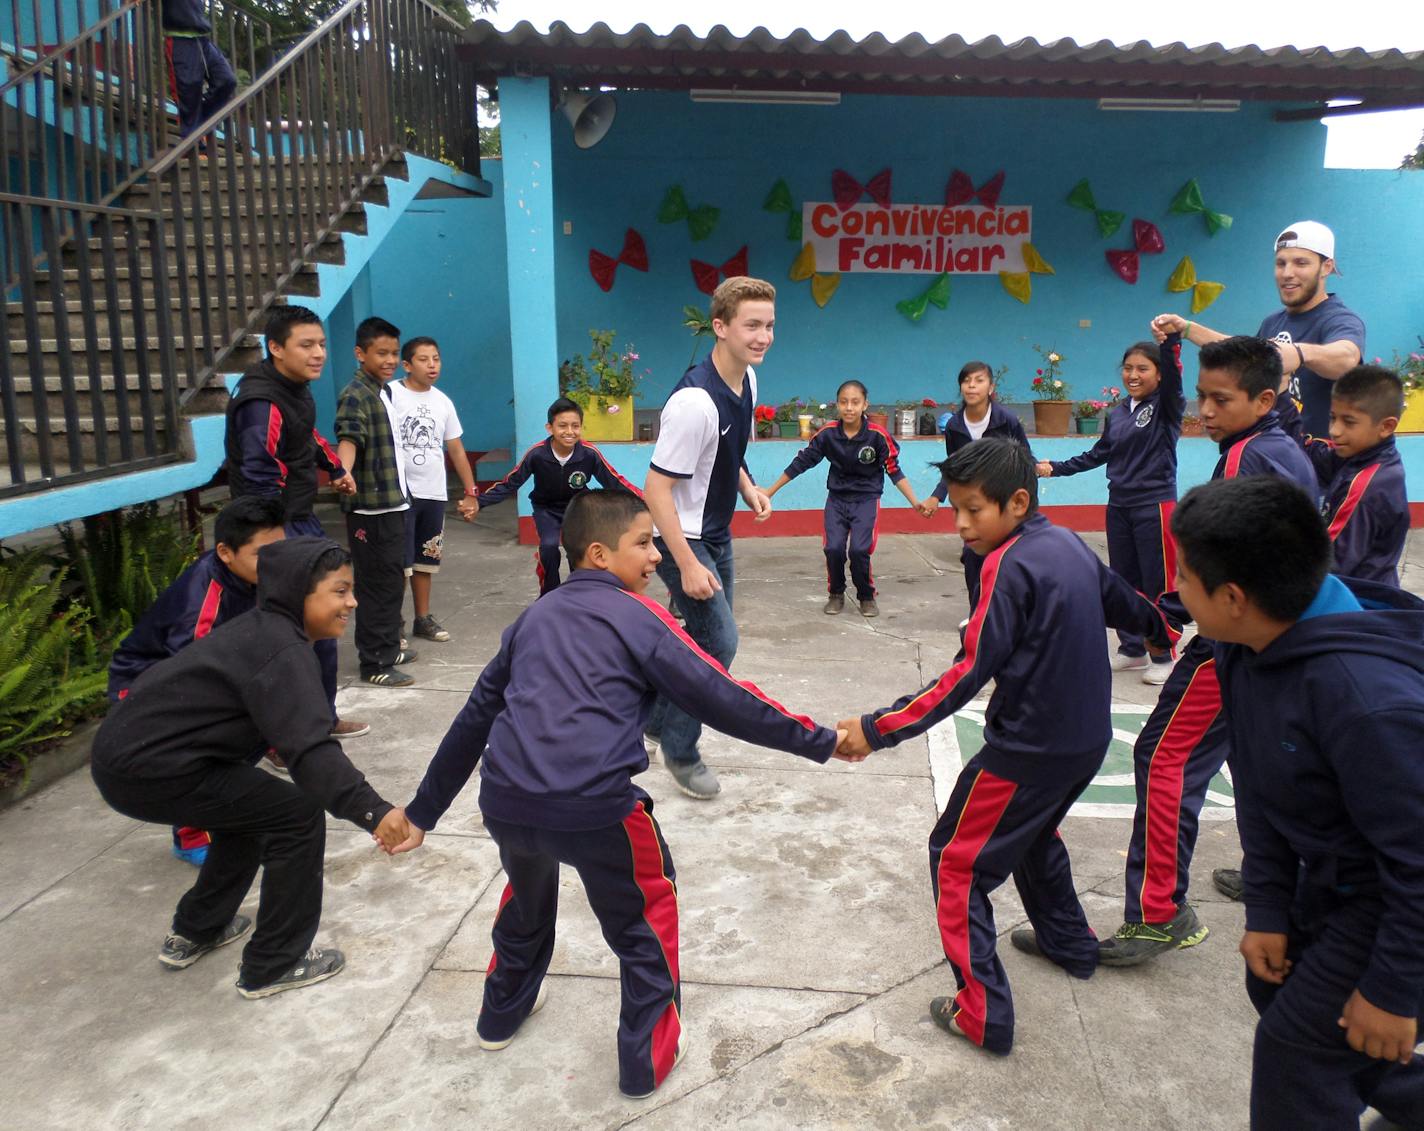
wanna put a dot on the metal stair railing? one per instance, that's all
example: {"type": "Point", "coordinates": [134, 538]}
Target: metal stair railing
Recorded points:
{"type": "Point", "coordinates": [292, 153]}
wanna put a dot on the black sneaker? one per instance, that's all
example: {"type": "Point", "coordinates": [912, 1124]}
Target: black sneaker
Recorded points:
{"type": "Point", "coordinates": [178, 953]}
{"type": "Point", "coordinates": [316, 965]}
{"type": "Point", "coordinates": [430, 629]}
{"type": "Point", "coordinates": [405, 656]}
{"type": "Point", "coordinates": [835, 604]}
{"type": "Point", "coordinates": [1228, 882]}
{"type": "Point", "coordinates": [943, 1014]}
{"type": "Point", "coordinates": [387, 677]}
{"type": "Point", "coordinates": [1135, 943]}
{"type": "Point", "coordinates": [868, 607]}
{"type": "Point", "coordinates": [1026, 940]}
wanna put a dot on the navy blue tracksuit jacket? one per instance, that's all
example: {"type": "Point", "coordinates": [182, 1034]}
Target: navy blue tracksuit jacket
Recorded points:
{"type": "Point", "coordinates": [205, 595]}
{"type": "Point", "coordinates": [859, 463]}
{"type": "Point", "coordinates": [1326, 727]}
{"type": "Point", "coordinates": [555, 483]}
{"type": "Point", "coordinates": [1003, 425]}
{"type": "Point", "coordinates": [1139, 441]}
{"type": "Point", "coordinates": [1366, 506]}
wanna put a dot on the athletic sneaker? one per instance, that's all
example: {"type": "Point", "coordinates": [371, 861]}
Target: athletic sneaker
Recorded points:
{"type": "Point", "coordinates": [1121, 663]}
{"type": "Point", "coordinates": [405, 656]}
{"type": "Point", "coordinates": [429, 628]}
{"type": "Point", "coordinates": [495, 1046]}
{"type": "Point", "coordinates": [868, 608]}
{"type": "Point", "coordinates": [835, 603]}
{"type": "Point", "coordinates": [682, 1043]}
{"type": "Point", "coordinates": [943, 1014]}
{"type": "Point", "coordinates": [1135, 943]}
{"type": "Point", "coordinates": [178, 953]}
{"type": "Point", "coordinates": [695, 779]}
{"type": "Point", "coordinates": [650, 744]}
{"type": "Point", "coordinates": [1228, 882]}
{"type": "Point", "coordinates": [316, 965]}
{"type": "Point", "coordinates": [1026, 940]}
{"type": "Point", "coordinates": [1156, 673]}
{"type": "Point", "coordinates": [349, 728]}
{"type": "Point", "coordinates": [387, 677]}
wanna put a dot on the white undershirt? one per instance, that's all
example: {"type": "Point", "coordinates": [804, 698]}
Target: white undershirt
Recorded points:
{"type": "Point", "coordinates": [976, 431]}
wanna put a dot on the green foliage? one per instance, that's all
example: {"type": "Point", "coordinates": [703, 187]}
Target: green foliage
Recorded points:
{"type": "Point", "coordinates": [123, 560]}
{"type": "Point", "coordinates": [699, 324]}
{"type": "Point", "coordinates": [608, 374]}
{"type": "Point", "coordinates": [50, 663]}
{"type": "Point", "coordinates": [1414, 161]}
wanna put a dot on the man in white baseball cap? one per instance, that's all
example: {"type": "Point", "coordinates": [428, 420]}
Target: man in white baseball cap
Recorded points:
{"type": "Point", "coordinates": [1319, 338]}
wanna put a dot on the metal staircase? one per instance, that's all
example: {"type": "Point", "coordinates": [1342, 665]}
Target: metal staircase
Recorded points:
{"type": "Point", "coordinates": [143, 272]}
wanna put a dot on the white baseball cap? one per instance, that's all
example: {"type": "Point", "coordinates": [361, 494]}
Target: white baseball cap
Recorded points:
{"type": "Point", "coordinates": [1311, 235]}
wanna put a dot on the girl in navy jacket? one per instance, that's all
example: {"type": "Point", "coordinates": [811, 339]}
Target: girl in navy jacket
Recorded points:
{"type": "Point", "coordinates": [980, 416]}
{"type": "Point", "coordinates": [1139, 445]}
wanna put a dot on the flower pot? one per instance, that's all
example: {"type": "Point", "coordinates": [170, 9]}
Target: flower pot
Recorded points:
{"type": "Point", "coordinates": [606, 418]}
{"type": "Point", "coordinates": [879, 420]}
{"type": "Point", "coordinates": [789, 429]}
{"type": "Point", "coordinates": [1413, 418]}
{"type": "Point", "coordinates": [905, 423]}
{"type": "Point", "coordinates": [765, 429]}
{"type": "Point", "coordinates": [1088, 425]}
{"type": "Point", "coordinates": [1050, 418]}
{"type": "Point", "coordinates": [1193, 428]}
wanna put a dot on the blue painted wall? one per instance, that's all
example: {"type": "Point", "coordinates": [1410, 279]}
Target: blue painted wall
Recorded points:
{"type": "Point", "coordinates": [72, 18]}
{"type": "Point", "coordinates": [441, 273]}
{"type": "Point", "coordinates": [1264, 173]}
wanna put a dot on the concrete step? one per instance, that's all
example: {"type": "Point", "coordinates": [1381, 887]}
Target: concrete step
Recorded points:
{"type": "Point", "coordinates": [304, 282]}
{"type": "Point", "coordinates": [59, 442]}
{"type": "Point", "coordinates": [46, 361]}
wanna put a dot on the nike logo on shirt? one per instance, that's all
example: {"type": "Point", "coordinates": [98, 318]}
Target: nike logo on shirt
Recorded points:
{"type": "Point", "coordinates": [726, 429]}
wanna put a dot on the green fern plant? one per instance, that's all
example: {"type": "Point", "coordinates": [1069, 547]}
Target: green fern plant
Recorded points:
{"type": "Point", "coordinates": [48, 657]}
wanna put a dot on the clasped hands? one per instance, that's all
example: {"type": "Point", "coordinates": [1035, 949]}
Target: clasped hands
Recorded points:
{"type": "Point", "coordinates": [395, 834]}
{"type": "Point", "coordinates": [851, 745]}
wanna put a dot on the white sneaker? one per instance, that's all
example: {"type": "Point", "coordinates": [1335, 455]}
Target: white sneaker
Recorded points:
{"type": "Point", "coordinates": [1121, 663]}
{"type": "Point", "coordinates": [1157, 673]}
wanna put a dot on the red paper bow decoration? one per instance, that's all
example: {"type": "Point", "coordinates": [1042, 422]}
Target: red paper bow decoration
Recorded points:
{"type": "Point", "coordinates": [604, 267]}
{"type": "Point", "coordinates": [846, 190]}
{"type": "Point", "coordinates": [960, 189]}
{"type": "Point", "coordinates": [1148, 241]}
{"type": "Point", "coordinates": [706, 276]}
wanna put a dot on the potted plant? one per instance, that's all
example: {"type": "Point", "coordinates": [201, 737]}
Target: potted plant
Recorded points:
{"type": "Point", "coordinates": [1192, 425]}
{"type": "Point", "coordinates": [878, 417]}
{"type": "Point", "coordinates": [1411, 373]}
{"type": "Point", "coordinates": [603, 386]}
{"type": "Point", "coordinates": [1087, 417]}
{"type": "Point", "coordinates": [765, 416]}
{"type": "Point", "coordinates": [699, 325]}
{"type": "Point", "coordinates": [929, 414]}
{"type": "Point", "coordinates": [1051, 406]}
{"type": "Point", "coordinates": [788, 417]}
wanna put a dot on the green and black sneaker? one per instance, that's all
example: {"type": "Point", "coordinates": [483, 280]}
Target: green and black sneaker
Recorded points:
{"type": "Point", "coordinates": [1137, 942]}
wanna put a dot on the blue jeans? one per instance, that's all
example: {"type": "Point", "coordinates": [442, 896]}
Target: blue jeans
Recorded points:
{"type": "Point", "coordinates": [711, 624]}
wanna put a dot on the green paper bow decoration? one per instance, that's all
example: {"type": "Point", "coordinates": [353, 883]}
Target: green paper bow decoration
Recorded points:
{"type": "Point", "coordinates": [779, 200]}
{"type": "Point", "coordinates": [1189, 200]}
{"type": "Point", "coordinates": [937, 294]}
{"type": "Point", "coordinates": [1082, 197]}
{"type": "Point", "coordinates": [700, 220]}
{"type": "Point", "coordinates": [1184, 278]}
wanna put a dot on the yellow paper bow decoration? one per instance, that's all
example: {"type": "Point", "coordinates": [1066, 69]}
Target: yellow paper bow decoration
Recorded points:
{"type": "Point", "coordinates": [1035, 263]}
{"type": "Point", "coordinates": [823, 286]}
{"type": "Point", "coordinates": [1184, 278]}
{"type": "Point", "coordinates": [1017, 283]}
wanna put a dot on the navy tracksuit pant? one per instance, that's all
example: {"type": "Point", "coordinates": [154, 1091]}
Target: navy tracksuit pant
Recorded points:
{"type": "Point", "coordinates": [1182, 746]}
{"type": "Point", "coordinates": [973, 566]}
{"type": "Point", "coordinates": [1141, 551]}
{"type": "Point", "coordinates": [549, 524]}
{"type": "Point", "coordinates": [991, 828]}
{"type": "Point", "coordinates": [195, 63]}
{"type": "Point", "coordinates": [851, 522]}
{"type": "Point", "coordinates": [631, 885]}
{"type": "Point", "coordinates": [1303, 1072]}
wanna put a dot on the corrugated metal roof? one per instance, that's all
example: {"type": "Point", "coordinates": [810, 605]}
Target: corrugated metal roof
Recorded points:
{"type": "Point", "coordinates": [681, 59]}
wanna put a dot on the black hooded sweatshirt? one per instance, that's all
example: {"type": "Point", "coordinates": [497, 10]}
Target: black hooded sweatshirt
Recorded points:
{"type": "Point", "coordinates": [252, 679]}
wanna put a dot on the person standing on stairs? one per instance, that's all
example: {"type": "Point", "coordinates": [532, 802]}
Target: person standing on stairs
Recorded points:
{"type": "Point", "coordinates": [200, 79]}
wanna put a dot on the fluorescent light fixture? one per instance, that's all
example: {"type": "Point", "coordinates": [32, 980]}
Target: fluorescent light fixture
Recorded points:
{"type": "Point", "coordinates": [770, 97]}
{"type": "Point", "coordinates": [1172, 105]}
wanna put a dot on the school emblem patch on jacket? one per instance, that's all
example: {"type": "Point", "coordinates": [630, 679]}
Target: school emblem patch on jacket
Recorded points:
{"type": "Point", "coordinates": [866, 454]}
{"type": "Point", "coordinates": [1144, 418]}
{"type": "Point", "coordinates": [578, 480]}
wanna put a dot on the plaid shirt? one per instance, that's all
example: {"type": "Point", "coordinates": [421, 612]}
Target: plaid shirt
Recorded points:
{"type": "Point", "coordinates": [361, 417]}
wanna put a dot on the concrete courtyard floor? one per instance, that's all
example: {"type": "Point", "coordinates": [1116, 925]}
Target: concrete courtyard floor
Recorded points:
{"type": "Point", "coordinates": [808, 954]}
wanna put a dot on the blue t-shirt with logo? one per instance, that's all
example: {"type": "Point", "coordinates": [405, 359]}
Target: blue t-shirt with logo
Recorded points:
{"type": "Point", "coordinates": [1331, 321]}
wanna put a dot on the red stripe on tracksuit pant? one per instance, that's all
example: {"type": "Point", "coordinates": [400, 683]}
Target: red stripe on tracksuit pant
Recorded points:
{"type": "Point", "coordinates": [1182, 746]}
{"type": "Point", "coordinates": [631, 885]}
{"type": "Point", "coordinates": [992, 828]}
{"type": "Point", "coordinates": [1141, 552]}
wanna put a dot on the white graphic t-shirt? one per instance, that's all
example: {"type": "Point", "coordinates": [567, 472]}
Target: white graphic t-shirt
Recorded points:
{"type": "Point", "coordinates": [424, 423]}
